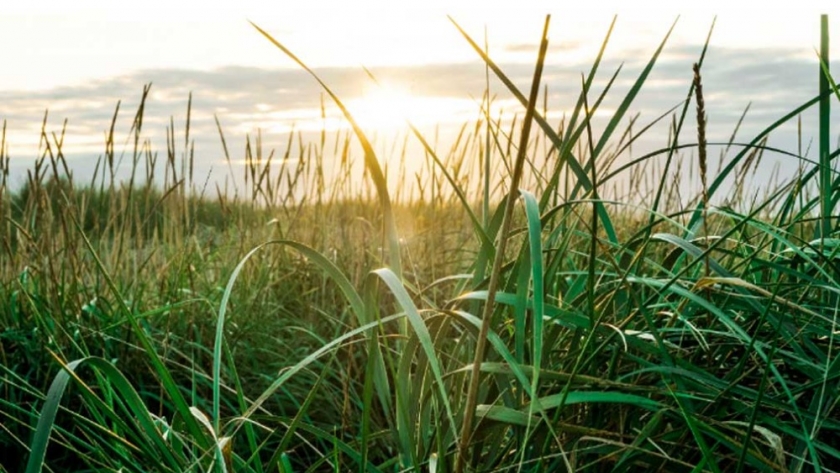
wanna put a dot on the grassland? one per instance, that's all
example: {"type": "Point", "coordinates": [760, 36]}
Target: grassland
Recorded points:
{"type": "Point", "coordinates": [310, 321]}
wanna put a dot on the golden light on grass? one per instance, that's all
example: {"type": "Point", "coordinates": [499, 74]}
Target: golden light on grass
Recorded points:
{"type": "Point", "coordinates": [378, 333]}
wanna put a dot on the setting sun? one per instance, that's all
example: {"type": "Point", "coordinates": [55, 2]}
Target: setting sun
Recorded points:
{"type": "Point", "coordinates": [389, 106]}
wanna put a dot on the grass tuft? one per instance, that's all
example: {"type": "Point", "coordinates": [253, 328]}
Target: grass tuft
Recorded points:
{"type": "Point", "coordinates": [308, 315]}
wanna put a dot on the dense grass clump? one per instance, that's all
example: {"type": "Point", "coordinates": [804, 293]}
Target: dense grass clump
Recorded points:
{"type": "Point", "coordinates": [527, 309]}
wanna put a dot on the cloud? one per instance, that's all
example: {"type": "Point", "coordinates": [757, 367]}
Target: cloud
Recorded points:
{"type": "Point", "coordinates": [245, 99]}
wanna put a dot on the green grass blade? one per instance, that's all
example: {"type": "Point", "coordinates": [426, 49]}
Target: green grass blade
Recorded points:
{"type": "Point", "coordinates": [574, 131]}
{"type": "Point", "coordinates": [287, 374]}
{"type": "Point", "coordinates": [708, 457]}
{"type": "Point", "coordinates": [478, 227]}
{"type": "Point", "coordinates": [524, 417]}
{"type": "Point", "coordinates": [825, 134]}
{"type": "Point", "coordinates": [169, 385]}
{"type": "Point", "coordinates": [499, 345]}
{"type": "Point", "coordinates": [330, 269]}
{"type": "Point", "coordinates": [496, 274]}
{"type": "Point", "coordinates": [421, 331]}
{"type": "Point", "coordinates": [629, 98]}
{"type": "Point", "coordinates": [731, 165]}
{"type": "Point", "coordinates": [532, 213]}
{"type": "Point", "coordinates": [56, 391]}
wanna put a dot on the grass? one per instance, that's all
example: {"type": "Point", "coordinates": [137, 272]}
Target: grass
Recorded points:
{"type": "Point", "coordinates": [528, 309]}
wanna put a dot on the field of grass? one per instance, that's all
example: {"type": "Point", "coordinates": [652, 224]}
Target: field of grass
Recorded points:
{"type": "Point", "coordinates": [507, 317]}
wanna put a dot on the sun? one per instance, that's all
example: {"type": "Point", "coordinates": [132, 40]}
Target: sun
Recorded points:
{"type": "Point", "coordinates": [388, 106]}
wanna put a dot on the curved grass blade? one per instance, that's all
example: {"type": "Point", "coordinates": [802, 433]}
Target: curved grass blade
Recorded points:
{"type": "Point", "coordinates": [421, 331]}
{"type": "Point", "coordinates": [478, 228]}
{"type": "Point", "coordinates": [724, 173]}
{"type": "Point", "coordinates": [354, 299]}
{"type": "Point", "coordinates": [746, 340]}
{"type": "Point", "coordinates": [371, 161]}
{"type": "Point", "coordinates": [524, 417]}
{"type": "Point", "coordinates": [555, 314]}
{"type": "Point", "coordinates": [56, 391]}
{"type": "Point", "coordinates": [636, 161]}
{"type": "Point", "coordinates": [287, 374]}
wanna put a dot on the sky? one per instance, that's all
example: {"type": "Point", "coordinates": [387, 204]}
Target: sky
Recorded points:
{"type": "Point", "coordinates": [62, 43]}
{"type": "Point", "coordinates": [78, 59]}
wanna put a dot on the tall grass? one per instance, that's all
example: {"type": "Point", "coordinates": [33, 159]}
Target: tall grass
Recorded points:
{"type": "Point", "coordinates": [527, 310]}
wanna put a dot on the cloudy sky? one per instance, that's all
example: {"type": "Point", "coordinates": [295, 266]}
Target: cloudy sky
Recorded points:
{"type": "Point", "coordinates": [78, 59]}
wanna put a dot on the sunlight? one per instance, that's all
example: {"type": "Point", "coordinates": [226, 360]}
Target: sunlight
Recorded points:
{"type": "Point", "coordinates": [388, 106]}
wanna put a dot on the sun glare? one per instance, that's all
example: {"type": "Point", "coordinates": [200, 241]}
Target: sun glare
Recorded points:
{"type": "Point", "coordinates": [389, 106]}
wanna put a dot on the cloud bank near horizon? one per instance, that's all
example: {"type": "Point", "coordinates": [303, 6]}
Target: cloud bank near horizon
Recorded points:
{"type": "Point", "coordinates": [276, 101]}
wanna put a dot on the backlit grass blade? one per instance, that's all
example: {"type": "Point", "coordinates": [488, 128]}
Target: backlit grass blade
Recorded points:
{"type": "Point", "coordinates": [574, 130]}
{"type": "Point", "coordinates": [478, 227]}
{"type": "Point", "coordinates": [628, 100]}
{"type": "Point", "coordinates": [541, 121]}
{"type": "Point", "coordinates": [371, 161]}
